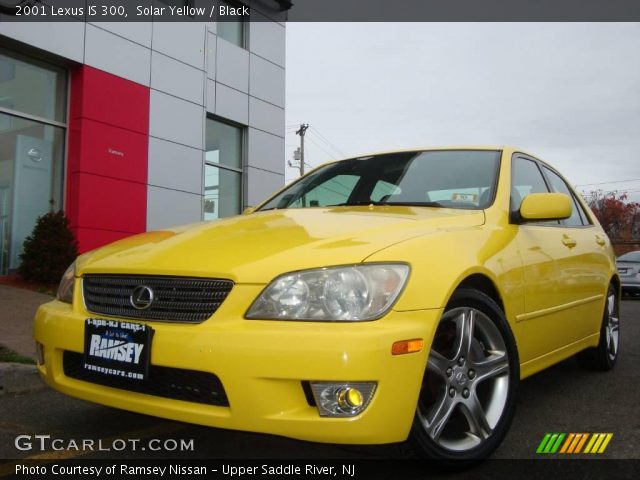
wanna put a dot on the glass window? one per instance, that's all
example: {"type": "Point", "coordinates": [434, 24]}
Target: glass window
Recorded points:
{"type": "Point", "coordinates": [448, 178]}
{"type": "Point", "coordinates": [526, 179]}
{"type": "Point", "coordinates": [221, 192]}
{"type": "Point", "coordinates": [32, 112]}
{"type": "Point", "coordinates": [383, 190]}
{"type": "Point", "coordinates": [224, 144]}
{"type": "Point", "coordinates": [231, 28]}
{"type": "Point", "coordinates": [558, 185]}
{"type": "Point", "coordinates": [223, 170]}
{"type": "Point", "coordinates": [333, 192]}
{"type": "Point", "coordinates": [31, 158]}
{"type": "Point", "coordinates": [32, 87]}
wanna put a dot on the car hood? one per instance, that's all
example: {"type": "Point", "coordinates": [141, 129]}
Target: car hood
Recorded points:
{"type": "Point", "coordinates": [256, 248]}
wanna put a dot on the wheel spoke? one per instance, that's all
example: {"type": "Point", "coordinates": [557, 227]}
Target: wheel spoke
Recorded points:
{"type": "Point", "coordinates": [614, 322]}
{"type": "Point", "coordinates": [613, 335]}
{"type": "Point", "coordinates": [464, 333]}
{"type": "Point", "coordinates": [441, 415]}
{"type": "Point", "coordinates": [495, 365]}
{"type": "Point", "coordinates": [438, 364]}
{"type": "Point", "coordinates": [612, 327]}
{"type": "Point", "coordinates": [475, 415]}
{"type": "Point", "coordinates": [611, 303]}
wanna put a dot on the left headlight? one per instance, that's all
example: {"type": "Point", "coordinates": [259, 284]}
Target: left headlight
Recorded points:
{"type": "Point", "coordinates": [65, 289]}
{"type": "Point", "coordinates": [351, 294]}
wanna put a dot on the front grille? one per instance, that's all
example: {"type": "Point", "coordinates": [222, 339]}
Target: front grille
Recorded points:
{"type": "Point", "coordinates": [175, 299]}
{"type": "Point", "coordinates": [175, 383]}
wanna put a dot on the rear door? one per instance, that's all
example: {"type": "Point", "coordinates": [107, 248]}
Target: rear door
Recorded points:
{"type": "Point", "coordinates": [548, 253]}
{"type": "Point", "coordinates": [584, 274]}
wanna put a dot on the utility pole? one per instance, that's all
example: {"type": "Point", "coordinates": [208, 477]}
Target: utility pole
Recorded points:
{"type": "Point", "coordinates": [301, 131]}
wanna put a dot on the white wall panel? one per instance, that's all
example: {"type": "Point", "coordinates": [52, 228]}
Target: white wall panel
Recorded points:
{"type": "Point", "coordinates": [176, 120]}
{"type": "Point", "coordinates": [113, 54]}
{"type": "Point", "coordinates": [177, 78]}
{"type": "Point", "coordinates": [266, 81]}
{"type": "Point", "coordinates": [168, 208]}
{"type": "Point", "coordinates": [175, 166]}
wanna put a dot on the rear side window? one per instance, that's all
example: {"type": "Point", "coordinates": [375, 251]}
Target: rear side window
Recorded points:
{"type": "Point", "coordinates": [578, 216]}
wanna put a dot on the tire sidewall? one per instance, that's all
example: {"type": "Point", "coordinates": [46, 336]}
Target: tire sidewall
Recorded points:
{"type": "Point", "coordinates": [422, 443]}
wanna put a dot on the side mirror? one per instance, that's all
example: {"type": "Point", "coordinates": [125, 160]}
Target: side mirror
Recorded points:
{"type": "Point", "coordinates": [248, 210]}
{"type": "Point", "coordinates": [545, 206]}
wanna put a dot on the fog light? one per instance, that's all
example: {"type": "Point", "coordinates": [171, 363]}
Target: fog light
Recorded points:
{"type": "Point", "coordinates": [40, 353]}
{"type": "Point", "coordinates": [342, 399]}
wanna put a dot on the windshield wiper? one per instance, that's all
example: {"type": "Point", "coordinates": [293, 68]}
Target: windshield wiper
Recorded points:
{"type": "Point", "coordinates": [402, 204]}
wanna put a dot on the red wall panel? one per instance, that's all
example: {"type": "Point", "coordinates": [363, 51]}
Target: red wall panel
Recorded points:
{"type": "Point", "coordinates": [110, 204]}
{"type": "Point", "coordinates": [110, 151]}
{"type": "Point", "coordinates": [107, 157]}
{"type": "Point", "coordinates": [109, 99]}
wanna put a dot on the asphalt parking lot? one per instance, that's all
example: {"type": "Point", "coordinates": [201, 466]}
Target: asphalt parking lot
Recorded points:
{"type": "Point", "coordinates": [561, 399]}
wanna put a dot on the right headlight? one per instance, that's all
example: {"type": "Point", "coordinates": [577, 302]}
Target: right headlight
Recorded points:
{"type": "Point", "coordinates": [350, 294]}
{"type": "Point", "coordinates": [65, 289]}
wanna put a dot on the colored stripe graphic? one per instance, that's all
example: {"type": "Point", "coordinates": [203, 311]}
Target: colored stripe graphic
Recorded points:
{"type": "Point", "coordinates": [573, 443]}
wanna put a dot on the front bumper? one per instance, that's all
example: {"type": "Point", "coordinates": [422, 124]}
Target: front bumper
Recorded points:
{"type": "Point", "coordinates": [262, 365]}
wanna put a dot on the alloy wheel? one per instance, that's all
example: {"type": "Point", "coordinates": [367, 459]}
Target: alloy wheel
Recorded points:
{"type": "Point", "coordinates": [612, 326]}
{"type": "Point", "coordinates": [466, 383]}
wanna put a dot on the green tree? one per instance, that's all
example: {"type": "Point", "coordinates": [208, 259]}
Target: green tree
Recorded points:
{"type": "Point", "coordinates": [49, 250]}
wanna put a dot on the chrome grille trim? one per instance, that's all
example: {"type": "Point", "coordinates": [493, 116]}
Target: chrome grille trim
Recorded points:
{"type": "Point", "coordinates": [176, 299]}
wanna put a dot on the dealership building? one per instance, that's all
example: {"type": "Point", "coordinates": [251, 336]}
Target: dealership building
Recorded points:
{"type": "Point", "coordinates": [130, 127]}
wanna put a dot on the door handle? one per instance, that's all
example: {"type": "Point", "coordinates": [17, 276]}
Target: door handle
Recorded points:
{"type": "Point", "coordinates": [568, 241]}
{"type": "Point", "coordinates": [600, 241]}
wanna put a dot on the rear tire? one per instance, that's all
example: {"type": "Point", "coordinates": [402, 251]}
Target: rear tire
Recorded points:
{"type": "Point", "coordinates": [469, 389]}
{"type": "Point", "coordinates": [605, 355]}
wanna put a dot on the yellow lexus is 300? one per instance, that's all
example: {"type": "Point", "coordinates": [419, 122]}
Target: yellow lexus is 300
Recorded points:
{"type": "Point", "coordinates": [377, 299]}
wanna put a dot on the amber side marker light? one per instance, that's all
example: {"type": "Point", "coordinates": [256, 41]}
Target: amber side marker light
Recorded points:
{"type": "Point", "coordinates": [407, 346]}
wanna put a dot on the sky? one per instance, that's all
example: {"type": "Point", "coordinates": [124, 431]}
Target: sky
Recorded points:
{"type": "Point", "coordinates": [568, 93]}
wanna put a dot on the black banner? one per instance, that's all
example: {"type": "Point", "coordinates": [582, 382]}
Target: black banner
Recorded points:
{"type": "Point", "coordinates": [316, 469]}
{"type": "Point", "coordinates": [321, 10]}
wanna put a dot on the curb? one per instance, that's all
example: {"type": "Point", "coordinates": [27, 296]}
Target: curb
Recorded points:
{"type": "Point", "coordinates": [17, 378]}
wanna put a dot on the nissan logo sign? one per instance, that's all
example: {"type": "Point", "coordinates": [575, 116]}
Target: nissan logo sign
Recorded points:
{"type": "Point", "coordinates": [141, 298]}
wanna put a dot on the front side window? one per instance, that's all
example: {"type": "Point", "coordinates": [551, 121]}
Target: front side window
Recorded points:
{"type": "Point", "coordinates": [32, 133]}
{"type": "Point", "coordinates": [223, 170]}
{"type": "Point", "coordinates": [526, 178]}
{"type": "Point", "coordinates": [463, 179]}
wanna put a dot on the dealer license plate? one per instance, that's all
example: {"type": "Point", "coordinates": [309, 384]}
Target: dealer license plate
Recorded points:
{"type": "Point", "coordinates": [117, 349]}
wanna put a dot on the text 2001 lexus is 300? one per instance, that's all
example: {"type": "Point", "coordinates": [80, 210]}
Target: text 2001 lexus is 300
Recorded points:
{"type": "Point", "coordinates": [377, 299]}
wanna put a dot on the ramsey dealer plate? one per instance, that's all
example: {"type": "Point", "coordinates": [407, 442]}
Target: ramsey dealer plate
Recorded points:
{"type": "Point", "coordinates": [117, 349]}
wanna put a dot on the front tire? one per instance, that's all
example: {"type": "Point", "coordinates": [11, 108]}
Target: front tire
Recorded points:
{"type": "Point", "coordinates": [469, 389]}
{"type": "Point", "coordinates": [605, 355]}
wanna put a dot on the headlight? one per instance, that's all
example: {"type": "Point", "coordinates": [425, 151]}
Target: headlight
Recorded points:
{"type": "Point", "coordinates": [356, 293]}
{"type": "Point", "coordinates": [65, 289]}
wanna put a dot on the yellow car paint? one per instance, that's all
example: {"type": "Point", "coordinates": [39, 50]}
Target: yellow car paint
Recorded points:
{"type": "Point", "coordinates": [550, 282]}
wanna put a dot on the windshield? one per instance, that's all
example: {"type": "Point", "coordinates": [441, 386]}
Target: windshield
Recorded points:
{"type": "Point", "coordinates": [464, 179]}
{"type": "Point", "coordinates": [630, 257]}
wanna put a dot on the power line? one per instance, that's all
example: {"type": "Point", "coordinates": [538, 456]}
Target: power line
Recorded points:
{"type": "Point", "coordinates": [331, 156]}
{"type": "Point", "coordinates": [607, 183]}
{"type": "Point", "coordinates": [326, 141]}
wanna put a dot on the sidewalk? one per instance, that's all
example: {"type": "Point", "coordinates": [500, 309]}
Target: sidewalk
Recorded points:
{"type": "Point", "coordinates": [17, 308]}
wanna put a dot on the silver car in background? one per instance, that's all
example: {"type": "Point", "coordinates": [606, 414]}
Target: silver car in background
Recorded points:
{"type": "Point", "coordinates": [629, 270]}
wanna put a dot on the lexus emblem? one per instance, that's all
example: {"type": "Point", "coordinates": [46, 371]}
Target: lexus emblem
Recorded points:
{"type": "Point", "coordinates": [141, 298]}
